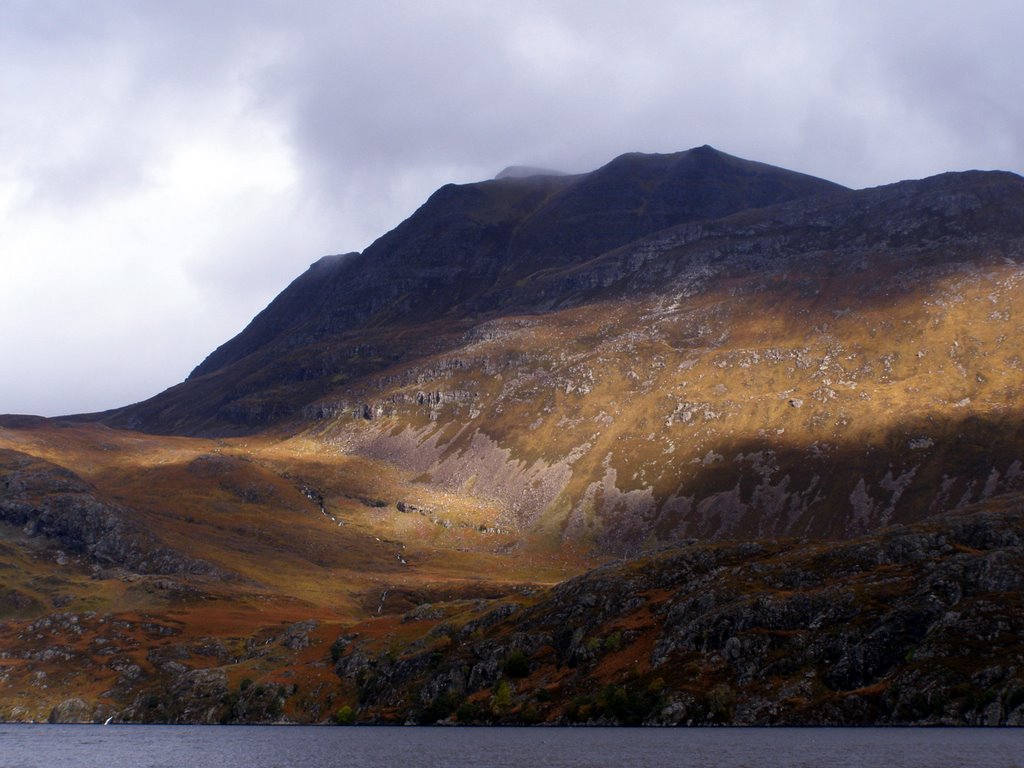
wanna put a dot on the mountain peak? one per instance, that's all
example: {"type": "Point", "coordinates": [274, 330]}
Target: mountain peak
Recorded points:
{"type": "Point", "coordinates": [470, 249]}
{"type": "Point", "coordinates": [525, 172]}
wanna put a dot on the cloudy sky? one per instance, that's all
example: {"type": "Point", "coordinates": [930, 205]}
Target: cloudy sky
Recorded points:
{"type": "Point", "coordinates": [166, 168]}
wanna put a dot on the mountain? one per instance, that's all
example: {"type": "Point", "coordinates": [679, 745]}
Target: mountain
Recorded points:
{"type": "Point", "coordinates": [671, 346]}
{"type": "Point", "coordinates": [470, 253]}
{"type": "Point", "coordinates": [525, 171]}
{"type": "Point", "coordinates": [768, 417]}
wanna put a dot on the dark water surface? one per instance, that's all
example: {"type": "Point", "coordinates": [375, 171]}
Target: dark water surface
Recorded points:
{"type": "Point", "coordinates": [157, 746]}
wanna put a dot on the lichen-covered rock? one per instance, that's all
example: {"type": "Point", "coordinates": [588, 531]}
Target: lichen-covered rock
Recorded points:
{"type": "Point", "coordinates": [258, 704]}
{"type": "Point", "coordinates": [296, 637]}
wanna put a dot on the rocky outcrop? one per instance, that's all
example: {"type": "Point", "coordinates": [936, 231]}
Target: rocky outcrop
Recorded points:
{"type": "Point", "coordinates": [914, 625]}
{"type": "Point", "coordinates": [196, 696]}
{"type": "Point", "coordinates": [71, 711]}
{"type": "Point", "coordinates": [52, 502]}
{"type": "Point", "coordinates": [296, 637]}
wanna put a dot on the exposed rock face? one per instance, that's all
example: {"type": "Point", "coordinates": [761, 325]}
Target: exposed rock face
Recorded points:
{"type": "Point", "coordinates": [52, 502]}
{"type": "Point", "coordinates": [71, 711]}
{"type": "Point", "coordinates": [197, 696]}
{"type": "Point", "coordinates": [918, 625]}
{"type": "Point", "coordinates": [297, 635]}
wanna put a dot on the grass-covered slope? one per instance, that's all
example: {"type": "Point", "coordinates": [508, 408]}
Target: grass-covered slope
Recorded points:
{"type": "Point", "coordinates": [139, 573]}
{"type": "Point", "coordinates": [183, 580]}
{"type": "Point", "coordinates": [821, 368]}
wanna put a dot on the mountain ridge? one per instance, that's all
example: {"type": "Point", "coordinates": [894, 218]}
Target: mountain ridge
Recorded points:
{"type": "Point", "coordinates": [492, 252]}
{"type": "Point", "coordinates": [402, 388]}
{"type": "Point", "coordinates": [326, 274]}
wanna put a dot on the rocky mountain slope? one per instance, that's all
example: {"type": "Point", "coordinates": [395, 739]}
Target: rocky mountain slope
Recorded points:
{"type": "Point", "coordinates": [132, 566]}
{"type": "Point", "coordinates": [915, 625]}
{"type": "Point", "coordinates": [793, 407]}
{"type": "Point", "coordinates": [470, 252]}
{"type": "Point", "coordinates": [817, 362]}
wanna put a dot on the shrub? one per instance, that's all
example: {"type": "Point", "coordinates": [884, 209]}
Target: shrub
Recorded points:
{"type": "Point", "coordinates": [613, 701]}
{"type": "Point", "coordinates": [472, 712]}
{"type": "Point", "coordinates": [517, 665]}
{"type": "Point", "coordinates": [501, 700]}
{"type": "Point", "coordinates": [337, 647]}
{"type": "Point", "coordinates": [720, 702]}
{"type": "Point", "coordinates": [345, 716]}
{"type": "Point", "coordinates": [440, 708]}
{"type": "Point", "coordinates": [579, 709]}
{"type": "Point", "coordinates": [1015, 699]}
{"type": "Point", "coordinates": [530, 715]}
{"type": "Point", "coordinates": [275, 707]}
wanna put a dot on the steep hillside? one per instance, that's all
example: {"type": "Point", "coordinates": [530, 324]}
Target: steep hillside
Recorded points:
{"type": "Point", "coordinates": [464, 256]}
{"type": "Point", "coordinates": [780, 356]}
{"type": "Point", "coordinates": [794, 407]}
{"type": "Point", "coordinates": [918, 625]}
{"type": "Point", "coordinates": [821, 368]}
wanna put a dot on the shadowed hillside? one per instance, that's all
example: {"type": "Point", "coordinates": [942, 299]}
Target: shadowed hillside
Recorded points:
{"type": "Point", "coordinates": [462, 257]}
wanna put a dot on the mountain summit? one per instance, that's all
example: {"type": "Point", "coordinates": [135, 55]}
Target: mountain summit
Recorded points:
{"type": "Point", "coordinates": [471, 252]}
{"type": "Point", "coordinates": [524, 172]}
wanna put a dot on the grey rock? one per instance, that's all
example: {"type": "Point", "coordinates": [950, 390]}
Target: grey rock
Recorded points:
{"type": "Point", "coordinates": [71, 711]}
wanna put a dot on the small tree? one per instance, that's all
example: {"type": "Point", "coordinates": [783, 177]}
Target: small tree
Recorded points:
{"type": "Point", "coordinates": [501, 700]}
